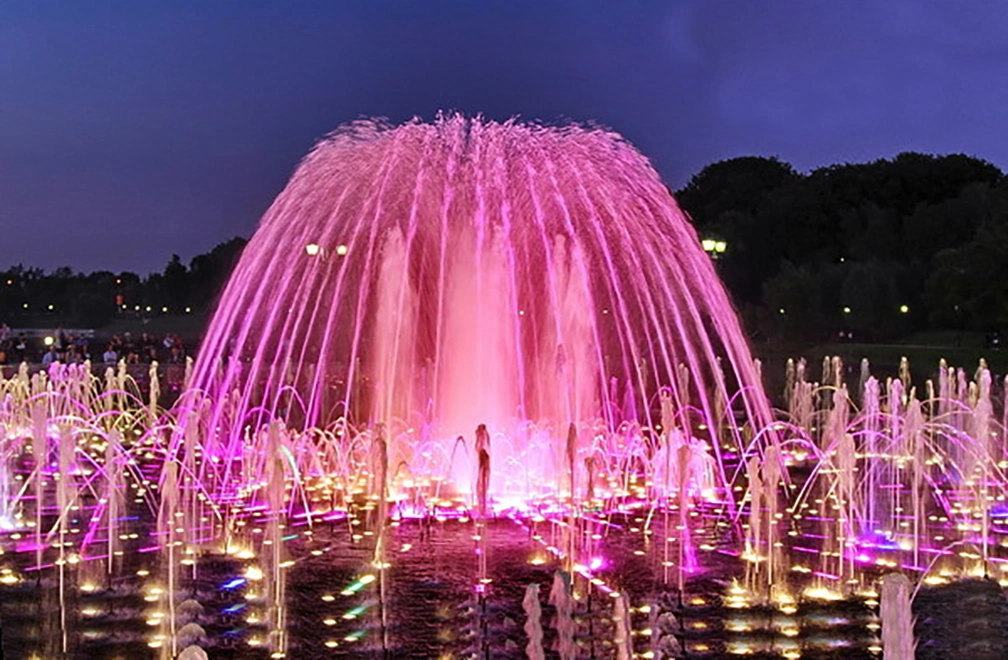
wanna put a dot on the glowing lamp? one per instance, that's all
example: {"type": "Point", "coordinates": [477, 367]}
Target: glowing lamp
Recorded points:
{"type": "Point", "coordinates": [341, 250]}
{"type": "Point", "coordinates": [48, 341]}
{"type": "Point", "coordinates": [312, 249]}
{"type": "Point", "coordinates": [714, 247]}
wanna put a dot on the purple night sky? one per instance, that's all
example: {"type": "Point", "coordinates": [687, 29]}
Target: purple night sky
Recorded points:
{"type": "Point", "coordinates": [133, 130]}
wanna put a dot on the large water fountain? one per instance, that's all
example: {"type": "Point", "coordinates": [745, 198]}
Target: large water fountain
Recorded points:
{"type": "Point", "coordinates": [433, 277]}
{"type": "Point", "coordinates": [475, 390]}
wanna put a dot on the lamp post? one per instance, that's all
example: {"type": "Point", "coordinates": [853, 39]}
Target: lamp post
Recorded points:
{"type": "Point", "coordinates": [314, 250]}
{"type": "Point", "coordinates": [714, 247]}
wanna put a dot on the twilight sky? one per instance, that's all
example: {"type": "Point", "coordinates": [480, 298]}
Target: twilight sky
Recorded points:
{"type": "Point", "coordinates": [133, 130]}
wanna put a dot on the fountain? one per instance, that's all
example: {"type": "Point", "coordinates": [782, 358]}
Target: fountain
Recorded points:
{"type": "Point", "coordinates": [435, 277]}
{"type": "Point", "coordinates": [897, 622]}
{"type": "Point", "coordinates": [463, 359]}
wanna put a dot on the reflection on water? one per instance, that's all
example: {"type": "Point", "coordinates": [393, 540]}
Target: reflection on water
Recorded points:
{"type": "Point", "coordinates": [429, 602]}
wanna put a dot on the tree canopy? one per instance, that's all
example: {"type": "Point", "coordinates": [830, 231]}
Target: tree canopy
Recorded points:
{"type": "Point", "coordinates": [878, 249]}
{"type": "Point", "coordinates": [92, 300]}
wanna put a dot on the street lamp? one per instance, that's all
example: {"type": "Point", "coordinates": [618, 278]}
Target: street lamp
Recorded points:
{"type": "Point", "coordinates": [714, 247]}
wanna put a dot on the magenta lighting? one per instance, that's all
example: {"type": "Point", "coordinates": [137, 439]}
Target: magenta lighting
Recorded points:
{"type": "Point", "coordinates": [428, 278]}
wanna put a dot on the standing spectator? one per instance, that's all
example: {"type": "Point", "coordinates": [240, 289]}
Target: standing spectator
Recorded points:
{"type": "Point", "coordinates": [6, 344]}
{"type": "Point", "coordinates": [73, 355]}
{"type": "Point", "coordinates": [176, 356]}
{"type": "Point", "coordinates": [110, 356]}
{"type": "Point", "coordinates": [50, 356]}
{"type": "Point", "coordinates": [20, 350]}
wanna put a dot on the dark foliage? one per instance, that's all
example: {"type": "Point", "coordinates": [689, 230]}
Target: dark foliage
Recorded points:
{"type": "Point", "coordinates": [873, 250]}
{"type": "Point", "coordinates": [95, 299]}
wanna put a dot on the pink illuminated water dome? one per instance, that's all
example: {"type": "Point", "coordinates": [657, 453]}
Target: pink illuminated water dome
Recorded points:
{"type": "Point", "coordinates": [413, 282]}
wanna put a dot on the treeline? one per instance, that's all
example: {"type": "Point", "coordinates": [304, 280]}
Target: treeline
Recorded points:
{"type": "Point", "coordinates": [31, 295]}
{"type": "Point", "coordinates": [870, 252]}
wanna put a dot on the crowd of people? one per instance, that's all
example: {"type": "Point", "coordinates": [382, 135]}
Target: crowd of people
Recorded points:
{"type": "Point", "coordinates": [69, 347]}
